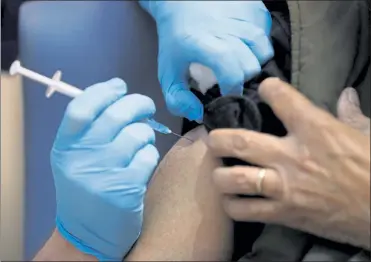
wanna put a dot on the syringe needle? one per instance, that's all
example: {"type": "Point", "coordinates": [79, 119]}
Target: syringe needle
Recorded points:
{"type": "Point", "coordinates": [180, 136]}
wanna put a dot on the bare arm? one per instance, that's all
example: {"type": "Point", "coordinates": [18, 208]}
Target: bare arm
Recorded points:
{"type": "Point", "coordinates": [183, 218]}
{"type": "Point", "coordinates": [58, 249]}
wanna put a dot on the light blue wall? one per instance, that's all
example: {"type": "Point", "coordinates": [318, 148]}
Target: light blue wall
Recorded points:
{"type": "Point", "coordinates": [90, 41]}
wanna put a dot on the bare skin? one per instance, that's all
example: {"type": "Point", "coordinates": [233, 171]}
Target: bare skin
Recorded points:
{"type": "Point", "coordinates": [206, 233]}
{"type": "Point", "coordinates": [317, 177]}
{"type": "Point", "coordinates": [349, 111]}
{"type": "Point", "coordinates": [184, 219]}
{"type": "Point", "coordinates": [58, 249]}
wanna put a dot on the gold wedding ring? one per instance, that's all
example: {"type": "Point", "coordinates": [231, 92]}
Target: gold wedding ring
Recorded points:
{"type": "Point", "coordinates": [259, 182]}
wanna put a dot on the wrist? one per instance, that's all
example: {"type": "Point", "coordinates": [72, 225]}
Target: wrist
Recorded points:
{"type": "Point", "coordinates": [80, 245]}
{"type": "Point", "coordinates": [59, 249]}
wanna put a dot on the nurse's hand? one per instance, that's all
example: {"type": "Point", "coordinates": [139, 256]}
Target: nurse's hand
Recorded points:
{"type": "Point", "coordinates": [102, 160]}
{"type": "Point", "coordinates": [230, 38]}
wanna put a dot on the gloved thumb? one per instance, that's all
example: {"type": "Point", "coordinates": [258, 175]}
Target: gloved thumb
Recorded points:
{"type": "Point", "coordinates": [182, 102]}
{"type": "Point", "coordinates": [349, 111]}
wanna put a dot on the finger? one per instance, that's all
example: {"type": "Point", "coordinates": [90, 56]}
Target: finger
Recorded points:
{"type": "Point", "coordinates": [257, 148]}
{"type": "Point", "coordinates": [349, 111]}
{"type": "Point", "coordinates": [291, 107]}
{"type": "Point", "coordinates": [348, 104]}
{"type": "Point", "coordinates": [251, 209]}
{"type": "Point", "coordinates": [143, 165]}
{"type": "Point", "coordinates": [212, 52]}
{"type": "Point", "coordinates": [84, 109]}
{"type": "Point", "coordinates": [179, 99]}
{"type": "Point", "coordinates": [131, 139]}
{"type": "Point", "coordinates": [182, 102]}
{"type": "Point", "coordinates": [129, 109]}
{"type": "Point", "coordinates": [255, 39]}
{"type": "Point", "coordinates": [244, 180]}
{"type": "Point", "coordinates": [248, 62]}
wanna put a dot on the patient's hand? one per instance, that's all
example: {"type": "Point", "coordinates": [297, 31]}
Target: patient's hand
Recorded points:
{"type": "Point", "coordinates": [183, 218]}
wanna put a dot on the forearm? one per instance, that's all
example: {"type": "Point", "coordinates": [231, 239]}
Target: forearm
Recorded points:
{"type": "Point", "coordinates": [183, 218]}
{"type": "Point", "coordinates": [58, 249]}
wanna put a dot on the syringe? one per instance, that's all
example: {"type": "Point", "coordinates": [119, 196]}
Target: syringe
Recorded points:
{"type": "Point", "coordinates": [56, 85]}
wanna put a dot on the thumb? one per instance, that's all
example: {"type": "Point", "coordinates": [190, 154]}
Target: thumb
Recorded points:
{"type": "Point", "coordinates": [349, 111]}
{"type": "Point", "coordinates": [348, 104]}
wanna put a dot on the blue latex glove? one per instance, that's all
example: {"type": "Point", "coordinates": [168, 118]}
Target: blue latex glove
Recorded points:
{"type": "Point", "coordinates": [102, 160]}
{"type": "Point", "coordinates": [231, 38]}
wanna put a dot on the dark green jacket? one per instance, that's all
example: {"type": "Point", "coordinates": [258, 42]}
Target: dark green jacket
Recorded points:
{"type": "Point", "coordinates": [331, 50]}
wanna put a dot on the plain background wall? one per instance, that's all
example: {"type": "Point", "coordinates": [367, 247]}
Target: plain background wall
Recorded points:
{"type": "Point", "coordinates": [90, 41]}
{"type": "Point", "coordinates": [12, 169]}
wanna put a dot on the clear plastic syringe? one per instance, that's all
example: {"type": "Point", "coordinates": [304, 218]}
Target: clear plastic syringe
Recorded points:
{"type": "Point", "coordinates": [56, 85]}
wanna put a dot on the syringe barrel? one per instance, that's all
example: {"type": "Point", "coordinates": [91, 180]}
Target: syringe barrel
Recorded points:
{"type": "Point", "coordinates": [157, 126]}
{"type": "Point", "coordinates": [61, 87]}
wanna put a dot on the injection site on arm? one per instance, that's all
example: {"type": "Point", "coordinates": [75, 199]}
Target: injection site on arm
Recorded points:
{"type": "Point", "coordinates": [55, 84]}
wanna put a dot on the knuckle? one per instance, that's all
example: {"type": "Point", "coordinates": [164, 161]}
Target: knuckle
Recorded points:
{"type": "Point", "coordinates": [114, 117]}
{"type": "Point", "coordinates": [144, 101]}
{"type": "Point", "coordinates": [141, 132]}
{"type": "Point", "coordinates": [240, 142]}
{"type": "Point", "coordinates": [257, 35]}
{"type": "Point", "coordinates": [252, 69]}
{"type": "Point", "coordinates": [116, 85]}
{"type": "Point", "coordinates": [150, 158]}
{"type": "Point", "coordinates": [240, 176]}
{"type": "Point", "coordinates": [77, 113]}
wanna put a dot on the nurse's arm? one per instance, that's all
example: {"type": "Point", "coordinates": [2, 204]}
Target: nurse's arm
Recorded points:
{"type": "Point", "coordinates": [183, 216]}
{"type": "Point", "coordinates": [58, 249]}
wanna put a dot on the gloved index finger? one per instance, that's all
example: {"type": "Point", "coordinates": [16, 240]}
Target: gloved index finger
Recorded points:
{"type": "Point", "coordinates": [179, 99]}
{"type": "Point", "coordinates": [85, 109]}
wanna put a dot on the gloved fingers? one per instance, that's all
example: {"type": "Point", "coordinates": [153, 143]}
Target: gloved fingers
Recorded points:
{"type": "Point", "coordinates": [255, 38]}
{"type": "Point", "coordinates": [182, 102]}
{"type": "Point", "coordinates": [248, 62]}
{"type": "Point", "coordinates": [84, 109]}
{"type": "Point", "coordinates": [179, 99]}
{"type": "Point", "coordinates": [215, 53]}
{"type": "Point", "coordinates": [143, 165]}
{"type": "Point", "coordinates": [128, 109]}
{"type": "Point", "coordinates": [131, 138]}
{"type": "Point", "coordinates": [261, 17]}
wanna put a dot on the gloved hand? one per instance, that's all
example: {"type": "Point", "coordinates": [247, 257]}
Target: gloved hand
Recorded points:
{"type": "Point", "coordinates": [230, 38]}
{"type": "Point", "coordinates": [102, 160]}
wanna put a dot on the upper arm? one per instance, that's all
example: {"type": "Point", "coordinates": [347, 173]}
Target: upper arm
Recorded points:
{"type": "Point", "coordinates": [183, 217]}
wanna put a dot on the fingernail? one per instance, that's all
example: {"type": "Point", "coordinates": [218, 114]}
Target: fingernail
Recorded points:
{"type": "Point", "coordinates": [352, 96]}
